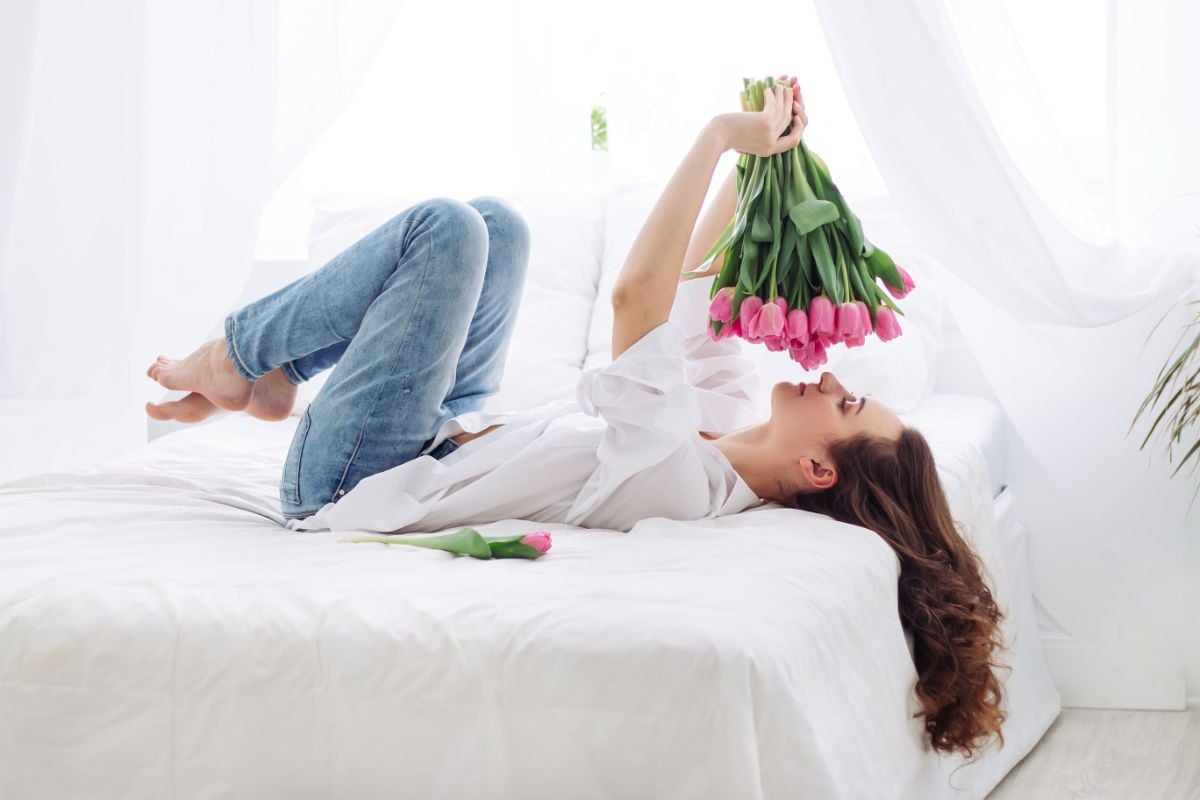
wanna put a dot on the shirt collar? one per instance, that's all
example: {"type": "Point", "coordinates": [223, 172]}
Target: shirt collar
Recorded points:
{"type": "Point", "coordinates": [741, 498]}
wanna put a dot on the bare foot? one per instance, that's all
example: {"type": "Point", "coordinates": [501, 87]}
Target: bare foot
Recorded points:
{"type": "Point", "coordinates": [271, 399]}
{"type": "Point", "coordinates": [208, 372]}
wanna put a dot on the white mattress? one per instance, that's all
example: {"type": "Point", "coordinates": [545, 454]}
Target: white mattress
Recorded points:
{"type": "Point", "coordinates": [161, 635]}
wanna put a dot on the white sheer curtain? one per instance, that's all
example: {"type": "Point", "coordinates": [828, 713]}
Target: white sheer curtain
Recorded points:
{"type": "Point", "coordinates": [465, 98]}
{"type": "Point", "coordinates": [1059, 317]}
{"type": "Point", "coordinates": [140, 140]}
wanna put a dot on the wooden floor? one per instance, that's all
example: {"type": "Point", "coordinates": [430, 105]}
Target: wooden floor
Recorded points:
{"type": "Point", "coordinates": [1124, 755]}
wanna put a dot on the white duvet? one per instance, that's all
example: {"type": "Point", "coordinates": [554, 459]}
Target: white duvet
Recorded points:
{"type": "Point", "coordinates": [161, 635]}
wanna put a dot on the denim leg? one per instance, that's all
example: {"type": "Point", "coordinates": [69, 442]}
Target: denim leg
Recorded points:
{"type": "Point", "coordinates": [307, 367]}
{"type": "Point", "coordinates": [322, 311]}
{"type": "Point", "coordinates": [404, 296]}
{"type": "Point", "coordinates": [481, 365]}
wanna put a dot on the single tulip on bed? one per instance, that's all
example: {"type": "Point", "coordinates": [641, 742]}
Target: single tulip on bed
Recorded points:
{"type": "Point", "coordinates": [798, 273]}
{"type": "Point", "coordinates": [469, 542]}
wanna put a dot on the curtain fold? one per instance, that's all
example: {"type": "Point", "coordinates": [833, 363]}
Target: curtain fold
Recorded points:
{"type": "Point", "coordinates": [1060, 324]}
{"type": "Point", "coordinates": [141, 142]}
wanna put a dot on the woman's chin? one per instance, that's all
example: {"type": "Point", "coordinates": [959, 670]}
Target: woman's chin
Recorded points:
{"type": "Point", "coordinates": [788, 388]}
{"type": "Point", "coordinates": [783, 392]}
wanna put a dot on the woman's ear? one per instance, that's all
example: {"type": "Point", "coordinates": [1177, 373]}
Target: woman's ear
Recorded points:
{"type": "Point", "coordinates": [816, 474]}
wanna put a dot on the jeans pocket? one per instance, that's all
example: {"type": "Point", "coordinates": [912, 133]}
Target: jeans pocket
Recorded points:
{"type": "Point", "coordinates": [289, 485]}
{"type": "Point", "coordinates": [444, 449]}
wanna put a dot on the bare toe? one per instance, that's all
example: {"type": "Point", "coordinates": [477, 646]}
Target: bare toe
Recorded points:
{"type": "Point", "coordinates": [192, 408]}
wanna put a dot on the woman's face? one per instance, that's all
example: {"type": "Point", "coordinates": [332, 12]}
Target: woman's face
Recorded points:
{"type": "Point", "coordinates": [807, 416]}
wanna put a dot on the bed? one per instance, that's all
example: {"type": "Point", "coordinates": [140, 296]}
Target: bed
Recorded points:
{"type": "Point", "coordinates": [161, 635]}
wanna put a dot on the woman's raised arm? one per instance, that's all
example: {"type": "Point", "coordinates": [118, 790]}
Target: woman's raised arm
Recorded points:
{"type": "Point", "coordinates": [645, 289]}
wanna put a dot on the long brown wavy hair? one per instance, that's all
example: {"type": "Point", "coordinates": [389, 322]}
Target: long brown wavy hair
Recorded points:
{"type": "Point", "coordinates": [892, 488]}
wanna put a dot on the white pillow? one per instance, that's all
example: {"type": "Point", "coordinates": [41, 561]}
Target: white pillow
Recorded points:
{"type": "Point", "coordinates": [549, 341]}
{"type": "Point", "coordinates": [900, 373]}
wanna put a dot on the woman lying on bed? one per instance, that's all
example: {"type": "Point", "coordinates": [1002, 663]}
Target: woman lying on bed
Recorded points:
{"type": "Point", "coordinates": [417, 317]}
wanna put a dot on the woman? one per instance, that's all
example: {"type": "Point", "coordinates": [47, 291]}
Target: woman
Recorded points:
{"type": "Point", "coordinates": [418, 316]}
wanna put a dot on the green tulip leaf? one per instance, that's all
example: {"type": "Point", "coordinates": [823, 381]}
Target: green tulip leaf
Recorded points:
{"type": "Point", "coordinates": [761, 229]}
{"type": "Point", "coordinates": [513, 548]}
{"type": "Point", "coordinates": [812, 214]}
{"type": "Point", "coordinates": [831, 281]}
{"type": "Point", "coordinates": [464, 542]}
{"type": "Point", "coordinates": [884, 268]}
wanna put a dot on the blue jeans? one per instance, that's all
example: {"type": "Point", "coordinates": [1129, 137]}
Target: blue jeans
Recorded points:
{"type": "Point", "coordinates": [417, 316]}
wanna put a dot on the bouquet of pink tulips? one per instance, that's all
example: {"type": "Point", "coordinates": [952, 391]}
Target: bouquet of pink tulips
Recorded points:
{"type": "Point", "coordinates": [798, 274]}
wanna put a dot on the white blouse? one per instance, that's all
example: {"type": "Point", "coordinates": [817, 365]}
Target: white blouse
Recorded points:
{"type": "Point", "coordinates": [626, 447]}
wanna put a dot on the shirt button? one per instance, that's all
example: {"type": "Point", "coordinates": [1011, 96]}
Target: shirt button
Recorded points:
{"type": "Point", "coordinates": [341, 491]}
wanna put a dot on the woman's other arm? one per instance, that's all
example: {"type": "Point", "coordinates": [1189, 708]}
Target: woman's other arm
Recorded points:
{"type": "Point", "coordinates": [712, 224]}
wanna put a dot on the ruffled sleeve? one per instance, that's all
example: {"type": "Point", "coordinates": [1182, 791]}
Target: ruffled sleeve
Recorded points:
{"type": "Point", "coordinates": [645, 399]}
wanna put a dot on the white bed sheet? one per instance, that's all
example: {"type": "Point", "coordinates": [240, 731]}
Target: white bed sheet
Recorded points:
{"type": "Point", "coordinates": [161, 635]}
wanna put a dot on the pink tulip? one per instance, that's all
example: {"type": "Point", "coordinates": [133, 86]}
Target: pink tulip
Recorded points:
{"type": "Point", "coordinates": [859, 308]}
{"type": "Point", "coordinates": [748, 314]}
{"type": "Point", "coordinates": [812, 355]}
{"type": "Point", "coordinates": [796, 326]}
{"type": "Point", "coordinates": [770, 319]}
{"type": "Point", "coordinates": [886, 324]}
{"type": "Point", "coordinates": [847, 321]}
{"type": "Point", "coordinates": [820, 317]}
{"type": "Point", "coordinates": [907, 280]}
{"type": "Point", "coordinates": [818, 352]}
{"type": "Point", "coordinates": [538, 540]}
{"type": "Point", "coordinates": [775, 343]}
{"type": "Point", "coordinates": [726, 331]}
{"type": "Point", "coordinates": [721, 308]}
{"type": "Point", "coordinates": [864, 312]}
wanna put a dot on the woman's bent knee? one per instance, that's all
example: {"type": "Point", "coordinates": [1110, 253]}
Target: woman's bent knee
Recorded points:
{"type": "Point", "coordinates": [503, 218]}
{"type": "Point", "coordinates": [457, 214]}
